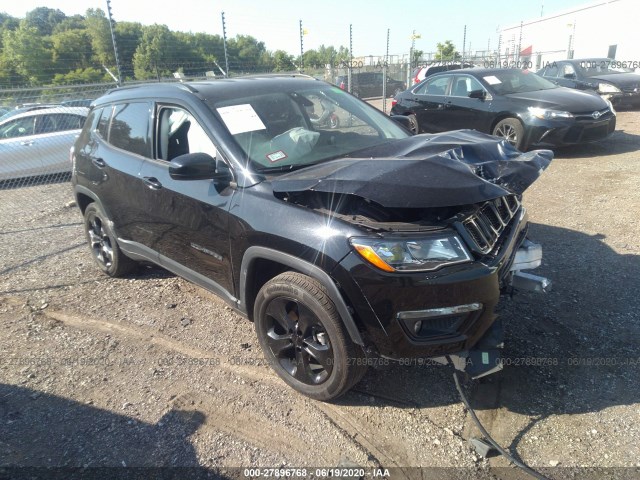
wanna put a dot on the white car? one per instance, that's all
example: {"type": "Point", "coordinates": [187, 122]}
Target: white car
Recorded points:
{"type": "Point", "coordinates": [37, 142]}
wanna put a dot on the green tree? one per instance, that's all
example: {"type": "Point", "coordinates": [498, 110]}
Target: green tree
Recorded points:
{"type": "Point", "coordinates": [44, 19]}
{"type": "Point", "coordinates": [28, 53]}
{"type": "Point", "coordinates": [282, 61]}
{"type": "Point", "coordinates": [128, 37]}
{"type": "Point", "coordinates": [150, 59]}
{"type": "Point", "coordinates": [416, 58]}
{"type": "Point", "coordinates": [99, 30]}
{"type": "Point", "coordinates": [447, 51]}
{"type": "Point", "coordinates": [246, 53]}
{"type": "Point", "coordinates": [71, 50]}
{"type": "Point", "coordinates": [75, 22]}
{"type": "Point", "coordinates": [80, 75]}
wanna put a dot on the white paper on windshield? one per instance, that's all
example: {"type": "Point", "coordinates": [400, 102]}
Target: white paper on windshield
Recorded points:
{"type": "Point", "coordinates": [241, 119]}
{"type": "Point", "coordinates": [492, 80]}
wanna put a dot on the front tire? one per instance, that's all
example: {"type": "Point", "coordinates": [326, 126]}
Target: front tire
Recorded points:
{"type": "Point", "coordinates": [103, 244]}
{"type": "Point", "coordinates": [511, 130]}
{"type": "Point", "coordinates": [304, 339]}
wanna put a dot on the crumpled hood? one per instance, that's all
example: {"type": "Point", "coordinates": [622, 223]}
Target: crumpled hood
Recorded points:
{"type": "Point", "coordinates": [442, 170]}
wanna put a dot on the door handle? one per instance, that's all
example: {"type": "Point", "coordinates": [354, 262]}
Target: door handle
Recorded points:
{"type": "Point", "coordinates": [98, 162]}
{"type": "Point", "coordinates": [152, 182]}
{"type": "Point", "coordinates": [27, 143]}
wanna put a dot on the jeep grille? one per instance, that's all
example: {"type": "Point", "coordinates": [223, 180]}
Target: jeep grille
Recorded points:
{"type": "Point", "coordinates": [484, 227]}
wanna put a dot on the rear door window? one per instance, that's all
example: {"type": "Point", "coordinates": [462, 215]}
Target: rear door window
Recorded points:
{"type": "Point", "coordinates": [130, 128]}
{"type": "Point", "coordinates": [434, 86]}
{"type": "Point", "coordinates": [103, 123]}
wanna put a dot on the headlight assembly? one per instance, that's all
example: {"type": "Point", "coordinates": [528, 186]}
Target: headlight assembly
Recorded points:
{"type": "Point", "coordinates": [545, 114]}
{"type": "Point", "coordinates": [412, 254]}
{"type": "Point", "coordinates": [607, 88]}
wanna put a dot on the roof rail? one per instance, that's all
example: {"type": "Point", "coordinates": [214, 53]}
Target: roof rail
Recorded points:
{"type": "Point", "coordinates": [276, 75]}
{"type": "Point", "coordinates": [184, 86]}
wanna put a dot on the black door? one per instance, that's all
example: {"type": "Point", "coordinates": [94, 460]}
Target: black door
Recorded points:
{"type": "Point", "coordinates": [112, 160]}
{"type": "Point", "coordinates": [462, 111]}
{"type": "Point", "coordinates": [430, 98]}
{"type": "Point", "coordinates": [188, 218]}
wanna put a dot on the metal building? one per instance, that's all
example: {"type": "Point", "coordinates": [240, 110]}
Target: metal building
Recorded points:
{"type": "Point", "coordinates": [596, 29]}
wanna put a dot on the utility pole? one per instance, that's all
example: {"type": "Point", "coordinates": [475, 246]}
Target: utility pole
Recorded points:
{"type": "Point", "coordinates": [385, 72]}
{"type": "Point", "coordinates": [224, 43]}
{"type": "Point", "coordinates": [113, 39]}
{"type": "Point", "coordinates": [350, 57]}
{"type": "Point", "coordinates": [464, 43]}
{"type": "Point", "coordinates": [301, 49]}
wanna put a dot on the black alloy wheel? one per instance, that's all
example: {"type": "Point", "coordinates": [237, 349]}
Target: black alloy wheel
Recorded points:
{"type": "Point", "coordinates": [298, 340]}
{"type": "Point", "coordinates": [103, 243]}
{"type": "Point", "coordinates": [304, 339]}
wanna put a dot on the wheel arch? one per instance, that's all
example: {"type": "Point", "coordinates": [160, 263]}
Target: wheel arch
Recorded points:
{"type": "Point", "coordinates": [260, 264]}
{"type": "Point", "coordinates": [503, 116]}
{"type": "Point", "coordinates": [84, 197]}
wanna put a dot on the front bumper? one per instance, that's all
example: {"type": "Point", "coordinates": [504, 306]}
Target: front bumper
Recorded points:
{"type": "Point", "coordinates": [558, 133]}
{"type": "Point", "coordinates": [432, 314]}
{"type": "Point", "coordinates": [624, 99]}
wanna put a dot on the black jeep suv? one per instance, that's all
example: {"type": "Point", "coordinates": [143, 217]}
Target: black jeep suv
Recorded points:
{"type": "Point", "coordinates": [342, 245]}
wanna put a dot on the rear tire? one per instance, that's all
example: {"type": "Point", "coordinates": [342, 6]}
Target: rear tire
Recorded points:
{"type": "Point", "coordinates": [103, 243]}
{"type": "Point", "coordinates": [511, 130]}
{"type": "Point", "coordinates": [303, 337]}
{"type": "Point", "coordinates": [413, 124]}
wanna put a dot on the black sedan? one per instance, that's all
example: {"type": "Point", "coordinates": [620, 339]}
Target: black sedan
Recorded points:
{"type": "Point", "coordinates": [609, 78]}
{"type": "Point", "coordinates": [525, 109]}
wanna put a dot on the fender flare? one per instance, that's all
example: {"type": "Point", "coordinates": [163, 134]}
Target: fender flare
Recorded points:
{"type": "Point", "coordinates": [313, 271]}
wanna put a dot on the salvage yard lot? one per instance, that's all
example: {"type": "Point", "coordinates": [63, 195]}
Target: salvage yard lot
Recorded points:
{"type": "Point", "coordinates": [150, 370]}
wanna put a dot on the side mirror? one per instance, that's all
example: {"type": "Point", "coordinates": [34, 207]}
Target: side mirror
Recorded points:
{"type": "Point", "coordinates": [570, 76]}
{"type": "Point", "coordinates": [402, 120]}
{"type": "Point", "coordinates": [480, 93]}
{"type": "Point", "coordinates": [197, 166]}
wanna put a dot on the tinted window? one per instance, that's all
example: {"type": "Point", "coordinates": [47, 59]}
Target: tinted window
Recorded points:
{"type": "Point", "coordinates": [551, 71]}
{"type": "Point", "coordinates": [130, 128]}
{"type": "Point", "coordinates": [91, 125]}
{"type": "Point", "coordinates": [103, 124]}
{"type": "Point", "coordinates": [434, 86]}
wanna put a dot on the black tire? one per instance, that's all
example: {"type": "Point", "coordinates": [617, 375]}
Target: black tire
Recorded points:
{"type": "Point", "coordinates": [511, 130]}
{"type": "Point", "coordinates": [103, 245]}
{"type": "Point", "coordinates": [413, 124]}
{"type": "Point", "coordinates": [304, 339]}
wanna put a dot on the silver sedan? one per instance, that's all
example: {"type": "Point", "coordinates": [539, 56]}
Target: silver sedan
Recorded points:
{"type": "Point", "coordinates": [37, 142]}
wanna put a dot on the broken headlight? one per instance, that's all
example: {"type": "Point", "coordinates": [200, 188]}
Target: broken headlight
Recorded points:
{"type": "Point", "coordinates": [412, 254]}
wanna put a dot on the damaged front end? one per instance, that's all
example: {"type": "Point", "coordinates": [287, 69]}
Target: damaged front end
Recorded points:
{"type": "Point", "coordinates": [443, 235]}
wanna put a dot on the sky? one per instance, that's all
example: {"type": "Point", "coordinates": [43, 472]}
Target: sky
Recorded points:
{"type": "Point", "coordinates": [276, 22]}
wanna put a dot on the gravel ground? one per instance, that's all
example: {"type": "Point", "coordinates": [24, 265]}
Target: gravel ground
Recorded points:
{"type": "Point", "coordinates": [150, 370]}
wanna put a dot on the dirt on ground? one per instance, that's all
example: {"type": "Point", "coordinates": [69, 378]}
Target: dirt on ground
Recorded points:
{"type": "Point", "coordinates": [152, 371]}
